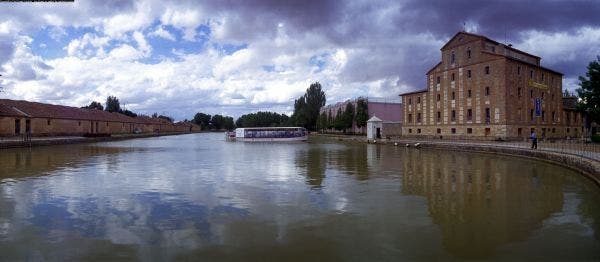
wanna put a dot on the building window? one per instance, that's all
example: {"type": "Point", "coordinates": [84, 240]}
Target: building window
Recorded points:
{"type": "Point", "coordinates": [487, 91]}
{"type": "Point", "coordinates": [468, 52]}
{"type": "Point", "coordinates": [553, 130]}
{"type": "Point", "coordinates": [518, 70]}
{"type": "Point", "coordinates": [418, 130]}
{"type": "Point", "coordinates": [438, 79]}
{"type": "Point", "coordinates": [469, 114]}
{"type": "Point", "coordinates": [568, 130]}
{"type": "Point", "coordinates": [419, 118]}
{"type": "Point", "coordinates": [543, 116]}
{"type": "Point", "coordinates": [410, 118]}
{"type": "Point", "coordinates": [48, 122]}
{"type": "Point", "coordinates": [453, 130]}
{"type": "Point", "coordinates": [452, 77]}
{"type": "Point", "coordinates": [453, 115]}
{"type": "Point", "coordinates": [519, 92]}
{"type": "Point", "coordinates": [487, 70]}
{"type": "Point", "coordinates": [542, 95]}
{"type": "Point", "coordinates": [410, 130]}
{"type": "Point", "coordinates": [542, 76]}
{"type": "Point", "coordinates": [418, 100]}
{"type": "Point", "coordinates": [519, 131]}
{"type": "Point", "coordinates": [469, 73]}
{"type": "Point", "coordinates": [438, 97]}
{"type": "Point", "coordinates": [469, 130]}
{"type": "Point", "coordinates": [469, 93]}
{"type": "Point", "coordinates": [487, 115]}
{"type": "Point", "coordinates": [106, 123]}
{"type": "Point", "coordinates": [452, 58]}
{"type": "Point", "coordinates": [439, 130]}
{"type": "Point", "coordinates": [531, 115]}
{"type": "Point", "coordinates": [439, 116]}
{"type": "Point", "coordinates": [493, 49]}
{"type": "Point", "coordinates": [531, 74]}
{"type": "Point", "coordinates": [79, 123]}
{"type": "Point", "coordinates": [530, 93]}
{"type": "Point", "coordinates": [453, 96]}
{"type": "Point", "coordinates": [553, 117]}
{"type": "Point", "coordinates": [410, 101]}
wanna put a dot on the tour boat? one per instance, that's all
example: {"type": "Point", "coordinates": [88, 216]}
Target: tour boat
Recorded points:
{"type": "Point", "coordinates": [268, 134]}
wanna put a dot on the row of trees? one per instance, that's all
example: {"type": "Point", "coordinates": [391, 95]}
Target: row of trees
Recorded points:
{"type": "Point", "coordinates": [344, 120]}
{"type": "Point", "coordinates": [258, 119]}
{"type": "Point", "coordinates": [215, 122]}
{"type": "Point", "coordinates": [113, 105]}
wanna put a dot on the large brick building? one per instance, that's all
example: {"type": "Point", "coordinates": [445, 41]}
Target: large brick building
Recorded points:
{"type": "Point", "coordinates": [483, 89]}
{"type": "Point", "coordinates": [38, 119]}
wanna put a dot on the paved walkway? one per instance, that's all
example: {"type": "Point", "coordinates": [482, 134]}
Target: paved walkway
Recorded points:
{"type": "Point", "coordinates": [586, 150]}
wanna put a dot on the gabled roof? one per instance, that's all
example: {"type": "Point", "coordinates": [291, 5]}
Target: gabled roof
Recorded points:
{"type": "Point", "coordinates": [374, 119]}
{"type": "Point", "coordinates": [466, 33]}
{"type": "Point", "coordinates": [486, 39]}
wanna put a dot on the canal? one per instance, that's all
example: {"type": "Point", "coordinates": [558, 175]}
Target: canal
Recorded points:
{"type": "Point", "coordinates": [199, 197]}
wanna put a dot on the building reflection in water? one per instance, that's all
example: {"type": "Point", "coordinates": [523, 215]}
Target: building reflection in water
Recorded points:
{"type": "Point", "coordinates": [482, 202]}
{"type": "Point", "coordinates": [26, 162]}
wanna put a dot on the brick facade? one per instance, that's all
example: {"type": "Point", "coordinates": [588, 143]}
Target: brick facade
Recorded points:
{"type": "Point", "coordinates": [486, 90]}
{"type": "Point", "coordinates": [37, 119]}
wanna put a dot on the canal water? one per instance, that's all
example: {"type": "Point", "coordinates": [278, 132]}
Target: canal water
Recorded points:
{"type": "Point", "coordinates": [198, 197]}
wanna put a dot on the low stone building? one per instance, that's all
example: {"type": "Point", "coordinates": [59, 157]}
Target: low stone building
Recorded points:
{"type": "Point", "coordinates": [38, 119]}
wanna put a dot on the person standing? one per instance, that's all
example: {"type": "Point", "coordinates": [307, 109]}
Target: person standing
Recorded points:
{"type": "Point", "coordinates": [533, 140]}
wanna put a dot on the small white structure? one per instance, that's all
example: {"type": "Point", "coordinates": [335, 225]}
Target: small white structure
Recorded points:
{"type": "Point", "coordinates": [374, 128]}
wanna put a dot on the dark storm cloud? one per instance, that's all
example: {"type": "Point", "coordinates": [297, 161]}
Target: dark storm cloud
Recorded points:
{"type": "Point", "coordinates": [374, 27]}
{"type": "Point", "coordinates": [493, 17]}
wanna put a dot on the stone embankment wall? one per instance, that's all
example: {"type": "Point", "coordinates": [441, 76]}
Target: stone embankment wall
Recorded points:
{"type": "Point", "coordinates": [586, 166]}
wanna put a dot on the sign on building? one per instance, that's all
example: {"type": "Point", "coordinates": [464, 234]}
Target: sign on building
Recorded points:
{"type": "Point", "coordinates": [538, 107]}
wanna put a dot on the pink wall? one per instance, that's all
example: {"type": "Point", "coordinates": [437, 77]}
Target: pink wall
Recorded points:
{"type": "Point", "coordinates": [386, 111]}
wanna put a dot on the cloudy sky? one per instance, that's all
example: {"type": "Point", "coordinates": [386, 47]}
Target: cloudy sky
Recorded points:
{"type": "Point", "coordinates": [234, 57]}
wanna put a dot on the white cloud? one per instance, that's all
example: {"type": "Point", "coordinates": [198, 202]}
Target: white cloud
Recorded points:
{"type": "Point", "coordinates": [164, 33]}
{"type": "Point", "coordinates": [183, 18]}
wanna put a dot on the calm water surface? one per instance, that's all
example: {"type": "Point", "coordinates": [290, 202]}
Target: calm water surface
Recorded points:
{"type": "Point", "coordinates": [199, 197]}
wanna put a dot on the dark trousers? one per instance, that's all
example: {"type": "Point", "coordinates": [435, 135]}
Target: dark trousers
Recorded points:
{"type": "Point", "coordinates": [534, 143]}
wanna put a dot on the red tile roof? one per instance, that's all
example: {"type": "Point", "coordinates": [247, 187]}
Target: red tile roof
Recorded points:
{"type": "Point", "coordinates": [21, 108]}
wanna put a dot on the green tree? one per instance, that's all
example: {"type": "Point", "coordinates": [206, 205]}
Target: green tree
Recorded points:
{"type": "Point", "coordinates": [220, 122]}
{"type": "Point", "coordinates": [338, 122]}
{"type": "Point", "coordinates": [228, 123]}
{"type": "Point", "coordinates": [95, 105]}
{"type": "Point", "coordinates": [128, 113]}
{"type": "Point", "coordinates": [330, 120]}
{"type": "Point", "coordinates": [348, 116]}
{"type": "Point", "coordinates": [299, 117]}
{"type": "Point", "coordinates": [262, 119]}
{"type": "Point", "coordinates": [112, 104]}
{"type": "Point", "coordinates": [315, 99]}
{"type": "Point", "coordinates": [322, 122]}
{"type": "Point", "coordinates": [202, 119]}
{"type": "Point", "coordinates": [307, 107]}
{"type": "Point", "coordinates": [362, 112]}
{"type": "Point", "coordinates": [589, 92]}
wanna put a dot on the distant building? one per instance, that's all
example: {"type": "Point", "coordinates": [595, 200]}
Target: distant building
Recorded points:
{"type": "Point", "coordinates": [38, 119]}
{"type": "Point", "coordinates": [483, 89]}
{"type": "Point", "coordinates": [389, 110]}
